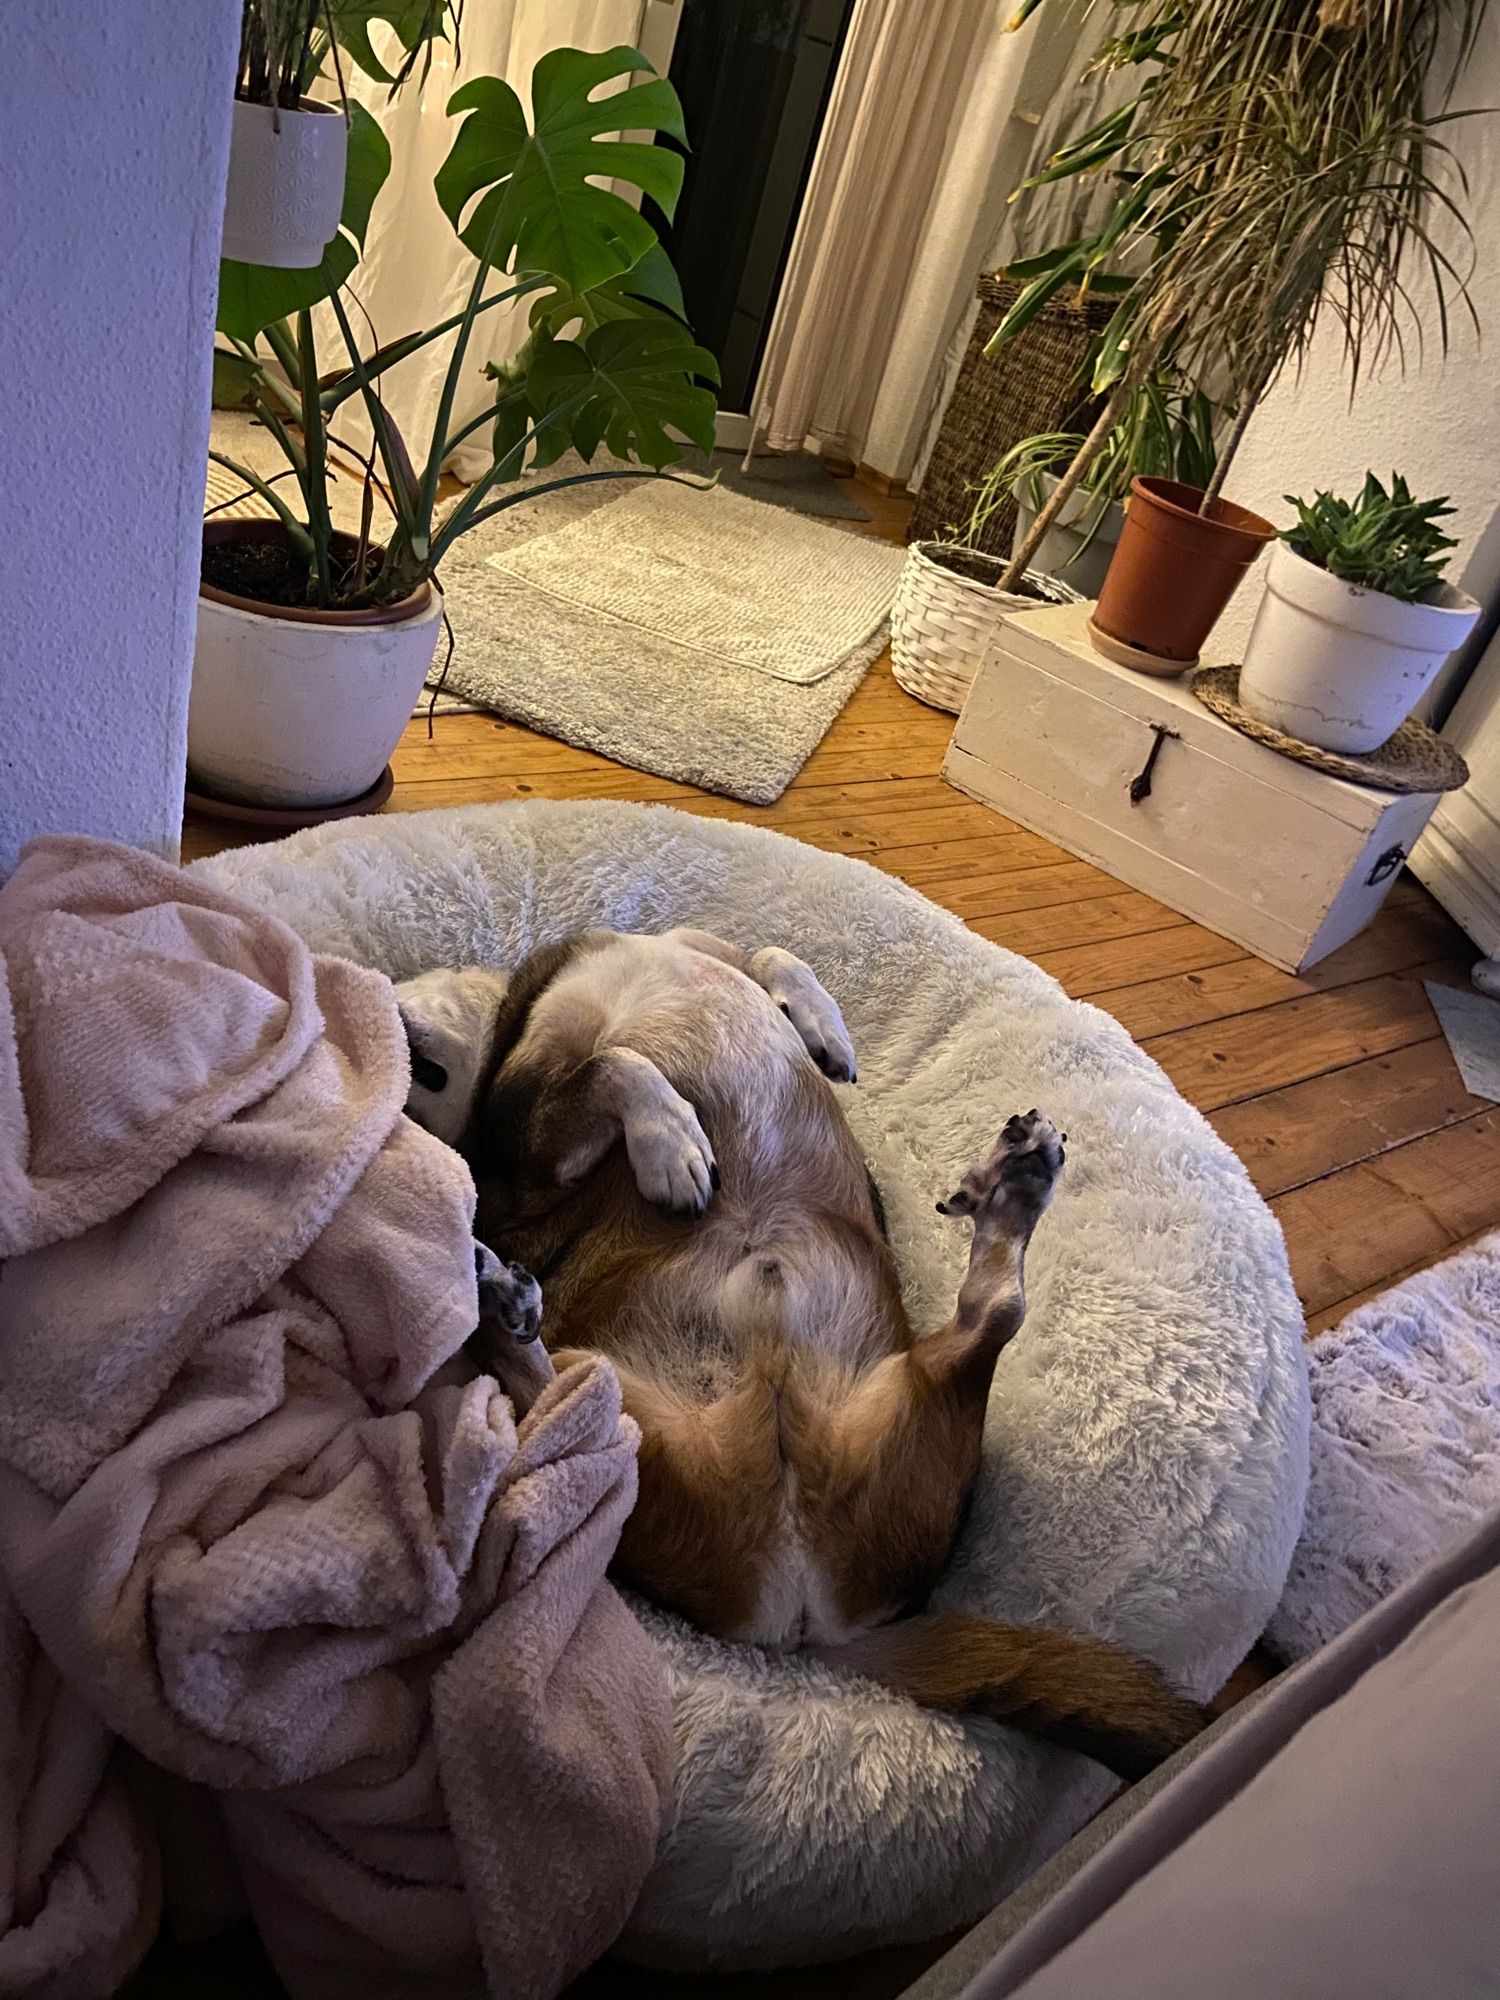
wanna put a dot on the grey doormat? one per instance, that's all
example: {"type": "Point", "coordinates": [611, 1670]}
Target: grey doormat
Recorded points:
{"type": "Point", "coordinates": [1405, 1443]}
{"type": "Point", "coordinates": [639, 696]}
{"type": "Point", "coordinates": [794, 479]}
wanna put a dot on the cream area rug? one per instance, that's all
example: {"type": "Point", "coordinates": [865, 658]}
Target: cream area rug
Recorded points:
{"type": "Point", "coordinates": [739, 582]}
{"type": "Point", "coordinates": [1405, 1443]}
{"type": "Point", "coordinates": [659, 699]}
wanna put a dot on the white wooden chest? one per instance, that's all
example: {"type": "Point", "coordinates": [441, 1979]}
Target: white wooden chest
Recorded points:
{"type": "Point", "coordinates": [1284, 859]}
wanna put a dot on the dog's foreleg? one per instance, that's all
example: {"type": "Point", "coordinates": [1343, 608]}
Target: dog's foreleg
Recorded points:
{"type": "Point", "coordinates": [620, 1094]}
{"type": "Point", "coordinates": [796, 990]}
{"type": "Point", "coordinates": [507, 1342]}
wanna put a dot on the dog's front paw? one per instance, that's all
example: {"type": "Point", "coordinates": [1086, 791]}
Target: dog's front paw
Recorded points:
{"type": "Point", "coordinates": [510, 1299]}
{"type": "Point", "coordinates": [670, 1156]}
{"type": "Point", "coordinates": [1025, 1162]}
{"type": "Point", "coordinates": [811, 1009]}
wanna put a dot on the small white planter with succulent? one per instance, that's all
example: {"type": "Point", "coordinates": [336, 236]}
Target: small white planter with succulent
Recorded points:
{"type": "Point", "coordinates": [1356, 622]}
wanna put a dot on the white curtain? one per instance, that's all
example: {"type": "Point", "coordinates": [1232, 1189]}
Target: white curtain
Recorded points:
{"type": "Point", "coordinates": [901, 79]}
{"type": "Point", "coordinates": [415, 271]}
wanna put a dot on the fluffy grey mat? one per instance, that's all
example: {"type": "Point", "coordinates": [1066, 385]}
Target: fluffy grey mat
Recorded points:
{"type": "Point", "coordinates": [1405, 1443]}
{"type": "Point", "coordinates": [630, 694]}
{"type": "Point", "coordinates": [627, 694]}
{"type": "Point", "coordinates": [1145, 1458]}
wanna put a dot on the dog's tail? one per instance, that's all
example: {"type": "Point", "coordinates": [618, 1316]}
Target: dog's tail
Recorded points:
{"type": "Point", "coordinates": [1080, 1693]}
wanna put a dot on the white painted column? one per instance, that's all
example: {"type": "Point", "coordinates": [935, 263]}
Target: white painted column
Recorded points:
{"type": "Point", "coordinates": [114, 137]}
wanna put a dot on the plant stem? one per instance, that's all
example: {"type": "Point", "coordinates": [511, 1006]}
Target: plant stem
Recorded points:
{"type": "Point", "coordinates": [1087, 452]}
{"type": "Point", "coordinates": [315, 451]}
{"type": "Point", "coordinates": [1232, 444]}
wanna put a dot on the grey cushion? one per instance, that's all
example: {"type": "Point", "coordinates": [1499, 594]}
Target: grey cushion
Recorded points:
{"type": "Point", "coordinates": [1338, 1841]}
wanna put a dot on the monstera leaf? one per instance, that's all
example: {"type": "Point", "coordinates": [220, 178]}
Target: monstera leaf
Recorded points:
{"type": "Point", "coordinates": [649, 286]}
{"type": "Point", "coordinates": [525, 198]}
{"type": "Point", "coordinates": [626, 385]}
{"type": "Point", "coordinates": [417, 24]}
{"type": "Point", "coordinates": [254, 296]}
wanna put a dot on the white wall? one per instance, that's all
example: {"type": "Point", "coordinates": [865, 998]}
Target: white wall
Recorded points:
{"type": "Point", "coordinates": [1439, 424]}
{"type": "Point", "coordinates": [114, 133]}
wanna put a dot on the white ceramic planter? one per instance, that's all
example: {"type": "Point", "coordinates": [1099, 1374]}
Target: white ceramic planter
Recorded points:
{"type": "Point", "coordinates": [1340, 666]}
{"type": "Point", "coordinates": [1068, 551]}
{"type": "Point", "coordinates": [295, 713]}
{"type": "Point", "coordinates": [286, 187]}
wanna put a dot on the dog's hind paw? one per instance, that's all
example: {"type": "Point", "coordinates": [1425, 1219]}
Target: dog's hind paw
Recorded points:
{"type": "Point", "coordinates": [509, 1297]}
{"type": "Point", "coordinates": [1025, 1162]}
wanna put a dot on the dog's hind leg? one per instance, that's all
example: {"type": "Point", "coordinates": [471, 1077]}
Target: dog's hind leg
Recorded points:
{"type": "Point", "coordinates": [1005, 1193]}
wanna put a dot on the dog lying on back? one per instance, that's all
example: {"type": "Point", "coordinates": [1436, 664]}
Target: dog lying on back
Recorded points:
{"type": "Point", "coordinates": [652, 1131]}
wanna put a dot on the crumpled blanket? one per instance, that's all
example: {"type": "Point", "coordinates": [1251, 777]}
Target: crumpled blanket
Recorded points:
{"type": "Point", "coordinates": [260, 1519]}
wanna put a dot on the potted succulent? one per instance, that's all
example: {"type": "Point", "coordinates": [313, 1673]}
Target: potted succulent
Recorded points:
{"type": "Point", "coordinates": [1279, 160]}
{"type": "Point", "coordinates": [288, 149]}
{"type": "Point", "coordinates": [1356, 621]}
{"type": "Point", "coordinates": [313, 644]}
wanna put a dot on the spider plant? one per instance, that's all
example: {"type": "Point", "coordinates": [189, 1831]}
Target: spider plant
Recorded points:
{"type": "Point", "coordinates": [1283, 162]}
{"type": "Point", "coordinates": [284, 44]}
{"type": "Point", "coordinates": [610, 361]}
{"type": "Point", "coordinates": [1165, 430]}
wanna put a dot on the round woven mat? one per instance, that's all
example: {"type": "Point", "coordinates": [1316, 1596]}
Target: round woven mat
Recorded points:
{"type": "Point", "coordinates": [1415, 759]}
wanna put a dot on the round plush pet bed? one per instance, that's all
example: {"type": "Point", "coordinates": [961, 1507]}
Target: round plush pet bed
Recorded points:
{"type": "Point", "coordinates": [1146, 1454]}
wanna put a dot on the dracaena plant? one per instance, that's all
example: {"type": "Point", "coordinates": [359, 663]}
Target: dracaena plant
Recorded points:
{"type": "Point", "coordinates": [1166, 430]}
{"type": "Point", "coordinates": [1381, 541]}
{"type": "Point", "coordinates": [608, 361]}
{"type": "Point", "coordinates": [1282, 164]}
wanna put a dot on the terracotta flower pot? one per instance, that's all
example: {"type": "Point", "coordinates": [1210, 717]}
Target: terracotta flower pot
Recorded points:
{"type": "Point", "coordinates": [1173, 572]}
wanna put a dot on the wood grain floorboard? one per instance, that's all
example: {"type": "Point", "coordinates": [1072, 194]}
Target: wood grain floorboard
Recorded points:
{"type": "Point", "coordinates": [1334, 1086]}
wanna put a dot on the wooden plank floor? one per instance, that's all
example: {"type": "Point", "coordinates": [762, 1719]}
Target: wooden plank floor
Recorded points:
{"type": "Point", "coordinates": [1336, 1088]}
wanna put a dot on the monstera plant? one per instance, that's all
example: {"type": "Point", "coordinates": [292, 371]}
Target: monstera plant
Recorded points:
{"type": "Point", "coordinates": [608, 363]}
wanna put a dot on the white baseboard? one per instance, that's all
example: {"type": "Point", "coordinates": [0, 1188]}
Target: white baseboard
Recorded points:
{"type": "Point", "coordinates": [732, 430]}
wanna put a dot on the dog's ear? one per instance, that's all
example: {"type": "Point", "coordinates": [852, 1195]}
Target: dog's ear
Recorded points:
{"type": "Point", "coordinates": [449, 1018]}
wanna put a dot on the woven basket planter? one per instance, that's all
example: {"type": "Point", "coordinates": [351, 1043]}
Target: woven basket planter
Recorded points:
{"type": "Point", "coordinates": [1038, 383]}
{"type": "Point", "coordinates": [942, 622]}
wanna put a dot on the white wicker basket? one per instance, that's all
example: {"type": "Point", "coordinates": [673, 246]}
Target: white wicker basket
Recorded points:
{"type": "Point", "coordinates": [942, 622]}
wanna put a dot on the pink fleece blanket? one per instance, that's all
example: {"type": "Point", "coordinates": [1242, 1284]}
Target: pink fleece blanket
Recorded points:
{"type": "Point", "coordinates": [259, 1518]}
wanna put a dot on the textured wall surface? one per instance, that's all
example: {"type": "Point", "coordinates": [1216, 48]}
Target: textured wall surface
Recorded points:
{"type": "Point", "coordinates": [114, 134]}
{"type": "Point", "coordinates": [1439, 422]}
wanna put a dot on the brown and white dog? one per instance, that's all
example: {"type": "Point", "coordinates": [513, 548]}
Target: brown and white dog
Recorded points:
{"type": "Point", "coordinates": [650, 1133]}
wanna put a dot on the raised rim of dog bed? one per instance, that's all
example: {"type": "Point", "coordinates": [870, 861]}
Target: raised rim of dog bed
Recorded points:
{"type": "Point", "coordinates": [1146, 1455]}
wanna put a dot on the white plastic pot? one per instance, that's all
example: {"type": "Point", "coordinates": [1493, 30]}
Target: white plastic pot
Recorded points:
{"type": "Point", "coordinates": [1068, 551]}
{"type": "Point", "coordinates": [301, 710]}
{"type": "Point", "coordinates": [1343, 667]}
{"type": "Point", "coordinates": [286, 186]}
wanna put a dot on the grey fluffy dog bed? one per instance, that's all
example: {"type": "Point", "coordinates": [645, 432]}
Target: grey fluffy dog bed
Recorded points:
{"type": "Point", "coordinates": [1146, 1453]}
